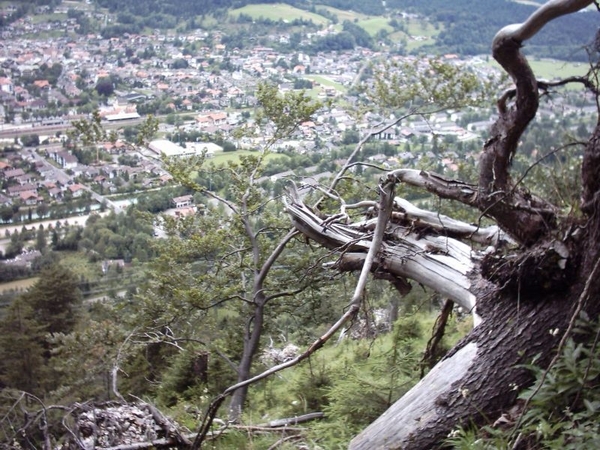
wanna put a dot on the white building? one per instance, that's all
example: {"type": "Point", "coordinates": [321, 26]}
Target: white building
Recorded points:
{"type": "Point", "coordinates": [171, 149]}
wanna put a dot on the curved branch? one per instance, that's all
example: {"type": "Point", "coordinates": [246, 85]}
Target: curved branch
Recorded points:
{"type": "Point", "coordinates": [535, 22]}
{"type": "Point", "coordinates": [515, 207]}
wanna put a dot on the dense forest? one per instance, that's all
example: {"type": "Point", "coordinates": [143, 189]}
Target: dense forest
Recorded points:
{"type": "Point", "coordinates": [470, 25]}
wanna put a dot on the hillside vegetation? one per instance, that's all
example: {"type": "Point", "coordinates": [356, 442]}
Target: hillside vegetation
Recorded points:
{"type": "Point", "coordinates": [464, 27]}
{"type": "Point", "coordinates": [279, 11]}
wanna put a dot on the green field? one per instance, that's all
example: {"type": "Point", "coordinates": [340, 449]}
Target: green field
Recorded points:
{"type": "Point", "coordinates": [278, 11]}
{"type": "Point", "coordinates": [224, 157]}
{"type": "Point", "coordinates": [420, 33]}
{"type": "Point", "coordinates": [344, 15]}
{"type": "Point", "coordinates": [373, 25]}
{"type": "Point", "coordinates": [326, 81]}
{"type": "Point", "coordinates": [45, 18]}
{"type": "Point", "coordinates": [18, 285]}
{"type": "Point", "coordinates": [550, 69]}
{"type": "Point", "coordinates": [422, 28]}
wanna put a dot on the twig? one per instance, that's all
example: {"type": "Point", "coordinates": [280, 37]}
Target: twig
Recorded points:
{"type": "Point", "coordinates": [283, 440]}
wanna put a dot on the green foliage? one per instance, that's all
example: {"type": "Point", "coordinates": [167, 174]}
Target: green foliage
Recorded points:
{"type": "Point", "coordinates": [83, 360]}
{"type": "Point", "coordinates": [186, 378]}
{"type": "Point", "coordinates": [30, 140]}
{"type": "Point", "coordinates": [89, 132]}
{"type": "Point", "coordinates": [115, 236]}
{"type": "Point", "coordinates": [431, 83]}
{"type": "Point", "coordinates": [105, 87]}
{"type": "Point", "coordinates": [49, 307]}
{"type": "Point", "coordinates": [286, 112]}
{"type": "Point", "coordinates": [21, 349]}
{"type": "Point", "coordinates": [360, 382]}
{"type": "Point", "coordinates": [55, 300]}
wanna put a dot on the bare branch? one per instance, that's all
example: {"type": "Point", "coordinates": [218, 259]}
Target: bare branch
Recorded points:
{"type": "Point", "coordinates": [115, 368]}
{"type": "Point", "coordinates": [373, 132]}
{"type": "Point", "coordinates": [535, 22]}
{"type": "Point", "coordinates": [385, 207]}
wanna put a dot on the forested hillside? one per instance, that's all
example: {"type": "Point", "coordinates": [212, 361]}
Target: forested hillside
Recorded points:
{"type": "Point", "coordinates": [181, 8]}
{"type": "Point", "coordinates": [470, 25]}
{"type": "Point", "coordinates": [23, 8]}
{"type": "Point", "coordinates": [467, 26]}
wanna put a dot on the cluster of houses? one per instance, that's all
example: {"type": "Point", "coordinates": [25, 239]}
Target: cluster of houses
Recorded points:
{"type": "Point", "coordinates": [214, 83]}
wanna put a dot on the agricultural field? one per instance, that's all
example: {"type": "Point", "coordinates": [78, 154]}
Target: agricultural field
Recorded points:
{"type": "Point", "coordinates": [550, 69]}
{"type": "Point", "coordinates": [278, 11]}
{"type": "Point", "coordinates": [224, 157]}
{"type": "Point", "coordinates": [373, 25]}
{"type": "Point", "coordinates": [343, 15]}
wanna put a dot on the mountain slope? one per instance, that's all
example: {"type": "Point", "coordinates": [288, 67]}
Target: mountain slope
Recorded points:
{"type": "Point", "coordinates": [468, 26]}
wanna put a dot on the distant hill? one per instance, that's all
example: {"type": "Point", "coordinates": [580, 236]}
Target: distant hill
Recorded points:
{"type": "Point", "coordinates": [470, 25]}
{"type": "Point", "coordinates": [185, 8]}
{"type": "Point", "coordinates": [467, 26]}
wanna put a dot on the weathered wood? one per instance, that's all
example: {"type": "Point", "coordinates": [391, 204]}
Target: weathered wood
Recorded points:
{"type": "Point", "coordinates": [168, 427]}
{"type": "Point", "coordinates": [439, 262]}
{"type": "Point", "coordinates": [293, 420]}
{"type": "Point", "coordinates": [518, 324]}
{"type": "Point", "coordinates": [478, 389]}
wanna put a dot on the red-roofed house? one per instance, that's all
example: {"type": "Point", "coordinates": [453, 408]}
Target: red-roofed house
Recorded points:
{"type": "Point", "coordinates": [77, 190]}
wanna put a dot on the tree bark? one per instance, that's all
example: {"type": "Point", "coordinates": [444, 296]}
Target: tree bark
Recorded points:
{"type": "Point", "coordinates": [527, 298]}
{"type": "Point", "coordinates": [480, 377]}
{"type": "Point", "coordinates": [251, 342]}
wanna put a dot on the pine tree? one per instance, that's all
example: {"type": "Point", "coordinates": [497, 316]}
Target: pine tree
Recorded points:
{"type": "Point", "coordinates": [55, 299]}
{"type": "Point", "coordinates": [21, 350]}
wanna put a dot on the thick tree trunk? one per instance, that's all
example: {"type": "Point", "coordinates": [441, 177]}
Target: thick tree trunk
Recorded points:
{"type": "Point", "coordinates": [527, 298]}
{"type": "Point", "coordinates": [480, 375]}
{"type": "Point", "coordinates": [538, 293]}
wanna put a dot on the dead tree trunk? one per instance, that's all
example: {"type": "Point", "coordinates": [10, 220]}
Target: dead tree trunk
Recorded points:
{"type": "Point", "coordinates": [525, 298]}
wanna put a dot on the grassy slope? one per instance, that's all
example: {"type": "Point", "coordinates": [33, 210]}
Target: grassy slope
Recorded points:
{"type": "Point", "coordinates": [550, 69]}
{"type": "Point", "coordinates": [278, 11]}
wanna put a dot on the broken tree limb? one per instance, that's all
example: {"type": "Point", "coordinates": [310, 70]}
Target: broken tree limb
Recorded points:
{"type": "Point", "coordinates": [444, 264]}
{"type": "Point", "coordinates": [448, 226]}
{"type": "Point", "coordinates": [293, 420]}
